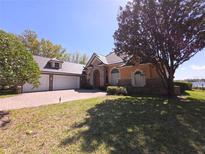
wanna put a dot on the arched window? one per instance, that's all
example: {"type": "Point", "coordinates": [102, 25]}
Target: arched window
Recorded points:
{"type": "Point", "coordinates": [115, 76]}
{"type": "Point", "coordinates": [138, 79]}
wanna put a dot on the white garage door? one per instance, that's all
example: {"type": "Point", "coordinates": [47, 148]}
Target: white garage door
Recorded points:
{"type": "Point", "coordinates": [65, 82]}
{"type": "Point", "coordinates": [44, 85]}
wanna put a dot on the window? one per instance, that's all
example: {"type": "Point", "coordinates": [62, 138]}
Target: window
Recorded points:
{"type": "Point", "coordinates": [115, 76]}
{"type": "Point", "coordinates": [57, 65]}
{"type": "Point", "coordinates": [138, 79]}
{"type": "Point", "coordinates": [49, 65]}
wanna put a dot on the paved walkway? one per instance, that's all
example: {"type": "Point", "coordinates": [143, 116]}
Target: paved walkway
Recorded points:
{"type": "Point", "coordinates": [35, 99]}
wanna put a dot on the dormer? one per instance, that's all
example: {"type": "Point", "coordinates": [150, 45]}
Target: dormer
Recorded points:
{"type": "Point", "coordinates": [54, 63]}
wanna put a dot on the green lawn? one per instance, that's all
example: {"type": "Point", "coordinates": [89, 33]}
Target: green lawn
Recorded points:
{"type": "Point", "coordinates": [113, 124]}
{"type": "Point", "coordinates": [6, 95]}
{"type": "Point", "coordinates": [196, 95]}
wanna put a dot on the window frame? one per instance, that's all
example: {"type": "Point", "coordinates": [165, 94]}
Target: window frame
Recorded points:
{"type": "Point", "coordinates": [134, 83]}
{"type": "Point", "coordinates": [57, 65]}
{"type": "Point", "coordinates": [117, 80]}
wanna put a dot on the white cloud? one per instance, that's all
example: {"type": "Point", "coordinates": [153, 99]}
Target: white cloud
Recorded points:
{"type": "Point", "coordinates": [198, 67]}
{"type": "Point", "coordinates": [183, 68]}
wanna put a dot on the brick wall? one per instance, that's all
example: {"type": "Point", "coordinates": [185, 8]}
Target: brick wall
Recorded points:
{"type": "Point", "coordinates": [153, 86]}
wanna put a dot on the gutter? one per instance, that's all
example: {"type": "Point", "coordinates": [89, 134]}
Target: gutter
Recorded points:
{"type": "Point", "coordinates": [61, 73]}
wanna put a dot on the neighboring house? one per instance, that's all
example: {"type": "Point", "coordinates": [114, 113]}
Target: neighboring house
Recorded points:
{"type": "Point", "coordinates": [111, 70]}
{"type": "Point", "coordinates": [56, 75]}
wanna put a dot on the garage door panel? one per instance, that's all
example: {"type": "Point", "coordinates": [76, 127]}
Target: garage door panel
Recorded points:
{"type": "Point", "coordinates": [65, 82]}
{"type": "Point", "coordinates": [44, 85]}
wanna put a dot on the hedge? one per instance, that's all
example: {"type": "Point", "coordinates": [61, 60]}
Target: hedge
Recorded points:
{"type": "Point", "coordinates": [116, 90]}
{"type": "Point", "coordinates": [183, 86]}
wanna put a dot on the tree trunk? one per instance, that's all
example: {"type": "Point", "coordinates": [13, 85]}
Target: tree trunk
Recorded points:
{"type": "Point", "coordinates": [170, 87]}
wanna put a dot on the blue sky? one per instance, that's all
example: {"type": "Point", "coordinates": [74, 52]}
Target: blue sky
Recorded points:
{"type": "Point", "coordinates": [78, 25]}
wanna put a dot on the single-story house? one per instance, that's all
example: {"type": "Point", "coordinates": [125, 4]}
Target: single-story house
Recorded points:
{"type": "Point", "coordinates": [101, 71]}
{"type": "Point", "coordinates": [56, 75]}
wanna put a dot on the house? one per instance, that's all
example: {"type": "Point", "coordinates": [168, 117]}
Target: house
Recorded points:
{"type": "Point", "coordinates": [100, 71]}
{"type": "Point", "coordinates": [112, 70]}
{"type": "Point", "coordinates": [56, 75]}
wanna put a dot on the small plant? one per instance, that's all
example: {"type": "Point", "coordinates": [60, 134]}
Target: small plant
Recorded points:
{"type": "Point", "coordinates": [116, 90]}
{"type": "Point", "coordinates": [183, 86]}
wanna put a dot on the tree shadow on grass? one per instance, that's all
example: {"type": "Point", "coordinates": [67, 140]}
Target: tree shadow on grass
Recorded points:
{"type": "Point", "coordinates": [142, 125]}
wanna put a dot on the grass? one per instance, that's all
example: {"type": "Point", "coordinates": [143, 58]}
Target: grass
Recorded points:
{"type": "Point", "coordinates": [113, 124]}
{"type": "Point", "coordinates": [196, 95]}
{"type": "Point", "coordinates": [6, 95]}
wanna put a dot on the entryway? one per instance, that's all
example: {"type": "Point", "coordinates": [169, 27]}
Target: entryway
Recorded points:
{"type": "Point", "coordinates": [96, 79]}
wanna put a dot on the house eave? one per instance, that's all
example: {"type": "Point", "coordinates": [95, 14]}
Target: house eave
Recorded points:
{"type": "Point", "coordinates": [61, 73]}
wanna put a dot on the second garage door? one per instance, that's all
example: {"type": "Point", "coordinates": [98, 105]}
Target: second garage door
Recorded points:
{"type": "Point", "coordinates": [65, 82]}
{"type": "Point", "coordinates": [44, 85]}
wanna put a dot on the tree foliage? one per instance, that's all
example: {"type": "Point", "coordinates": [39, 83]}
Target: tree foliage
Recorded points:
{"type": "Point", "coordinates": [45, 48]}
{"type": "Point", "coordinates": [78, 58]}
{"type": "Point", "coordinates": [17, 65]}
{"type": "Point", "coordinates": [164, 32]}
{"type": "Point", "coordinates": [42, 47]}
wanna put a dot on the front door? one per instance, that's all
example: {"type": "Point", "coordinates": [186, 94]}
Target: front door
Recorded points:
{"type": "Point", "coordinates": [96, 79]}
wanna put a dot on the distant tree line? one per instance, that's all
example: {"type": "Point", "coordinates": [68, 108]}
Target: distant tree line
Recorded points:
{"type": "Point", "coordinates": [45, 48]}
{"type": "Point", "coordinates": [195, 80]}
{"type": "Point", "coordinates": [191, 80]}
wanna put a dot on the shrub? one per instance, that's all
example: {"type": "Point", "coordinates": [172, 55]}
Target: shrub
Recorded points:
{"type": "Point", "coordinates": [87, 86]}
{"type": "Point", "coordinates": [183, 86]}
{"type": "Point", "coordinates": [199, 88]}
{"type": "Point", "coordinates": [103, 88]}
{"type": "Point", "coordinates": [177, 90]}
{"type": "Point", "coordinates": [116, 90]}
{"type": "Point", "coordinates": [8, 90]}
{"type": "Point", "coordinates": [17, 65]}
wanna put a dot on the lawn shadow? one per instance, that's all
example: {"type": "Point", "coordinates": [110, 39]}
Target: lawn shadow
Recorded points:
{"type": "Point", "coordinates": [185, 93]}
{"type": "Point", "coordinates": [142, 125]}
{"type": "Point", "coordinates": [4, 119]}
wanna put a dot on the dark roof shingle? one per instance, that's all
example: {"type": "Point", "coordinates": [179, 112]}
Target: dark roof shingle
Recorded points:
{"type": "Point", "coordinates": [67, 67]}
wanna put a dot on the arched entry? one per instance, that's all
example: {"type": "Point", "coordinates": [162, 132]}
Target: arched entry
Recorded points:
{"type": "Point", "coordinates": [96, 79]}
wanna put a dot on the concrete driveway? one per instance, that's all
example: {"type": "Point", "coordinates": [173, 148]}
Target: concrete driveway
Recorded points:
{"type": "Point", "coordinates": [35, 99]}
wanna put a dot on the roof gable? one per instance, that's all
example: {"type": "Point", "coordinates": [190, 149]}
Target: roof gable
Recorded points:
{"type": "Point", "coordinates": [98, 57]}
{"type": "Point", "coordinates": [111, 58]}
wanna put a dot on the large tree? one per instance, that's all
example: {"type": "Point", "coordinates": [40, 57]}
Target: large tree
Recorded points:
{"type": "Point", "coordinates": [30, 40]}
{"type": "Point", "coordinates": [45, 48]}
{"type": "Point", "coordinates": [42, 47]}
{"type": "Point", "coordinates": [48, 49]}
{"type": "Point", "coordinates": [164, 32]}
{"type": "Point", "coordinates": [17, 65]}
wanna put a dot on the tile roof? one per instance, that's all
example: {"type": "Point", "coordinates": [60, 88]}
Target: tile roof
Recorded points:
{"type": "Point", "coordinates": [67, 67]}
{"type": "Point", "coordinates": [103, 59]}
{"type": "Point", "coordinates": [112, 58]}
